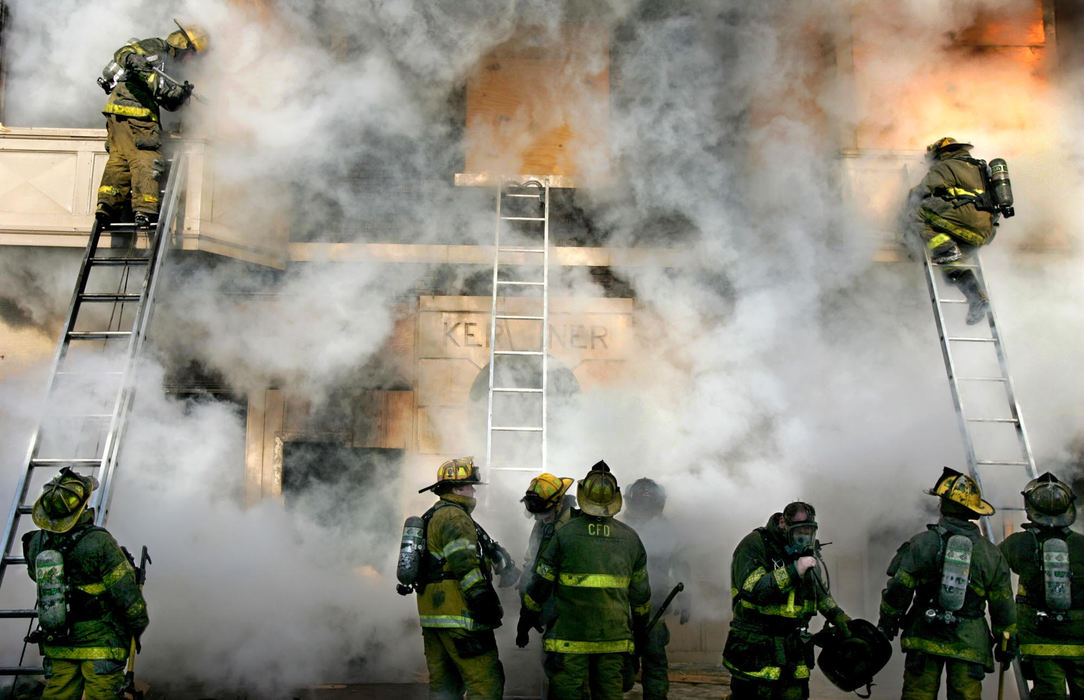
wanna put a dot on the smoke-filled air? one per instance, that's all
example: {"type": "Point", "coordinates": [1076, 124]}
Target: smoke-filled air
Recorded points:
{"type": "Point", "coordinates": [775, 358]}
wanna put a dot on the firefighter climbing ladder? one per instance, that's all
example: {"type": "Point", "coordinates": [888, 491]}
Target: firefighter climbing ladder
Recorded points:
{"type": "Point", "coordinates": [91, 386]}
{"type": "Point", "coordinates": [516, 407]}
{"type": "Point", "coordinates": [998, 453]}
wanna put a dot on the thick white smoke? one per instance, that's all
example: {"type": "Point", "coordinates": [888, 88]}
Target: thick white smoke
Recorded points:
{"type": "Point", "coordinates": [777, 363]}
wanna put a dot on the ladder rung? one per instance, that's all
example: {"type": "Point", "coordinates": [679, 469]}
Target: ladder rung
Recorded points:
{"type": "Point", "coordinates": [14, 560]}
{"type": "Point", "coordinates": [517, 390]}
{"type": "Point", "coordinates": [515, 469]}
{"type": "Point", "coordinates": [97, 335]}
{"type": "Point", "coordinates": [119, 261]}
{"type": "Point", "coordinates": [980, 379]}
{"type": "Point", "coordinates": [996, 463]}
{"type": "Point", "coordinates": [519, 249]}
{"type": "Point", "coordinates": [24, 613]}
{"type": "Point", "coordinates": [972, 340]}
{"type": "Point", "coordinates": [516, 283]}
{"type": "Point", "coordinates": [110, 373]}
{"type": "Point", "coordinates": [952, 301]}
{"type": "Point", "coordinates": [109, 297]}
{"type": "Point", "coordinates": [992, 420]}
{"type": "Point", "coordinates": [21, 670]}
{"type": "Point", "coordinates": [518, 352]}
{"type": "Point", "coordinates": [522, 318]}
{"type": "Point", "coordinates": [24, 510]}
{"type": "Point", "coordinates": [523, 218]}
{"type": "Point", "coordinates": [518, 428]}
{"type": "Point", "coordinates": [74, 416]}
{"type": "Point", "coordinates": [53, 461]}
{"type": "Point", "coordinates": [520, 194]}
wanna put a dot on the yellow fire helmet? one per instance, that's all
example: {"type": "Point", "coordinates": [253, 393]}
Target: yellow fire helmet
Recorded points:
{"type": "Point", "coordinates": [598, 493]}
{"type": "Point", "coordinates": [545, 492]}
{"type": "Point", "coordinates": [63, 500]}
{"type": "Point", "coordinates": [456, 472]}
{"type": "Point", "coordinates": [945, 143]}
{"type": "Point", "coordinates": [188, 36]}
{"type": "Point", "coordinates": [962, 489]}
{"type": "Point", "coordinates": [1048, 501]}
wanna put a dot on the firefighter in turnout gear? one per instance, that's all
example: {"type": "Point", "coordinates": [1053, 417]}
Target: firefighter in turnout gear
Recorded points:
{"type": "Point", "coordinates": [776, 590]}
{"type": "Point", "coordinates": [90, 606]}
{"type": "Point", "coordinates": [457, 604]}
{"type": "Point", "coordinates": [548, 502]}
{"type": "Point", "coordinates": [595, 569]}
{"type": "Point", "coordinates": [941, 582]}
{"type": "Point", "coordinates": [138, 84]}
{"type": "Point", "coordinates": [666, 566]}
{"type": "Point", "coordinates": [953, 214]}
{"type": "Point", "coordinates": [1049, 559]}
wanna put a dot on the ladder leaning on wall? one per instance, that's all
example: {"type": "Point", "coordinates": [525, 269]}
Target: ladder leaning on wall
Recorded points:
{"type": "Point", "coordinates": [996, 444]}
{"type": "Point", "coordinates": [518, 331]}
{"type": "Point", "coordinates": [90, 389]}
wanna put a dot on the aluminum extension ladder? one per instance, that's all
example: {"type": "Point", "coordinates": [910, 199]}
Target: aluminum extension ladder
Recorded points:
{"type": "Point", "coordinates": [999, 455]}
{"type": "Point", "coordinates": [89, 393]}
{"type": "Point", "coordinates": [516, 405]}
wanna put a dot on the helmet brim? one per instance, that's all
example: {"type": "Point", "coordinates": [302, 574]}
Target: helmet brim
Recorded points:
{"type": "Point", "coordinates": [1064, 519]}
{"type": "Point", "coordinates": [58, 525]}
{"type": "Point", "coordinates": [601, 511]}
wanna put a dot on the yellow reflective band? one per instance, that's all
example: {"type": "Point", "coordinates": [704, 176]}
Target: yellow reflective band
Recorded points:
{"type": "Point", "coordinates": [733, 592]}
{"type": "Point", "coordinates": [788, 609]}
{"type": "Point", "coordinates": [530, 604]}
{"type": "Point", "coordinates": [768, 673]}
{"type": "Point", "coordinates": [135, 608]}
{"type": "Point", "coordinates": [642, 609]}
{"type": "Point", "coordinates": [108, 189]}
{"type": "Point", "coordinates": [1021, 591]}
{"type": "Point", "coordinates": [473, 577]}
{"type": "Point", "coordinates": [938, 240]}
{"type": "Point", "coordinates": [545, 571]}
{"type": "Point", "coordinates": [904, 579]}
{"type": "Point", "coordinates": [126, 111]}
{"type": "Point", "coordinates": [937, 649]}
{"type": "Point", "coordinates": [888, 609]}
{"type": "Point", "coordinates": [782, 578]}
{"type": "Point", "coordinates": [150, 198]}
{"type": "Point", "coordinates": [593, 581]}
{"type": "Point", "coordinates": [451, 622]}
{"type": "Point", "coordinates": [87, 653]}
{"type": "Point", "coordinates": [999, 595]}
{"type": "Point", "coordinates": [92, 588]}
{"type": "Point", "coordinates": [827, 603]}
{"type": "Point", "coordinates": [979, 589]}
{"type": "Point", "coordinates": [119, 571]}
{"type": "Point", "coordinates": [962, 192]}
{"type": "Point", "coordinates": [801, 671]}
{"type": "Point", "coordinates": [751, 581]}
{"type": "Point", "coordinates": [1068, 650]}
{"type": "Point", "coordinates": [639, 575]}
{"type": "Point", "coordinates": [570, 646]}
{"type": "Point", "coordinates": [456, 546]}
{"type": "Point", "coordinates": [964, 234]}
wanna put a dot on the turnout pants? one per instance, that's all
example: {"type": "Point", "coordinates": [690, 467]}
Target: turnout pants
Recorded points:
{"type": "Point", "coordinates": [69, 679]}
{"type": "Point", "coordinates": [654, 666]}
{"type": "Point", "coordinates": [922, 678]}
{"type": "Point", "coordinates": [1050, 677]}
{"type": "Point", "coordinates": [582, 676]}
{"type": "Point", "coordinates": [463, 662]}
{"type": "Point", "coordinates": [134, 165]}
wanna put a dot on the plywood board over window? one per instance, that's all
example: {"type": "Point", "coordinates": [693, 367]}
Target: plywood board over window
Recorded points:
{"type": "Point", "coordinates": [539, 104]}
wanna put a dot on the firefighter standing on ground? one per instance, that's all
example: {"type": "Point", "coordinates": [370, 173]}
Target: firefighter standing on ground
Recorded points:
{"type": "Point", "coordinates": [776, 591]}
{"type": "Point", "coordinates": [457, 604]}
{"type": "Point", "coordinates": [133, 130]}
{"type": "Point", "coordinates": [1049, 559]}
{"type": "Point", "coordinates": [548, 502]}
{"type": "Point", "coordinates": [595, 568]}
{"type": "Point", "coordinates": [941, 582]}
{"type": "Point", "coordinates": [666, 567]}
{"type": "Point", "coordinates": [953, 214]}
{"type": "Point", "coordinates": [90, 606]}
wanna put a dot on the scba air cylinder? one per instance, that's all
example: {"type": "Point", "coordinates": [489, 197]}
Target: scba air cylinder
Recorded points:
{"type": "Point", "coordinates": [411, 550]}
{"type": "Point", "coordinates": [1001, 186]}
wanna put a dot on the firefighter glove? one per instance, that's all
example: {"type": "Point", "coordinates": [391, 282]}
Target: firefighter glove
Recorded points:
{"type": "Point", "coordinates": [527, 620]}
{"type": "Point", "coordinates": [1007, 650]}
{"type": "Point", "coordinates": [484, 605]}
{"type": "Point", "coordinates": [889, 627]}
{"type": "Point", "coordinates": [137, 63]}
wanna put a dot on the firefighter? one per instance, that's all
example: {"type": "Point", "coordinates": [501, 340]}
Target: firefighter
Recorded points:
{"type": "Point", "coordinates": [1049, 559]}
{"type": "Point", "coordinates": [595, 569]}
{"type": "Point", "coordinates": [666, 566]}
{"type": "Point", "coordinates": [941, 582]}
{"type": "Point", "coordinates": [547, 501]}
{"type": "Point", "coordinates": [90, 607]}
{"type": "Point", "coordinates": [137, 87]}
{"type": "Point", "coordinates": [775, 591]}
{"type": "Point", "coordinates": [953, 215]}
{"type": "Point", "coordinates": [457, 605]}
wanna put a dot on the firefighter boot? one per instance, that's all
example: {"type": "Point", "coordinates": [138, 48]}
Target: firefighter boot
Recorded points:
{"type": "Point", "coordinates": [977, 302]}
{"type": "Point", "coordinates": [144, 228]}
